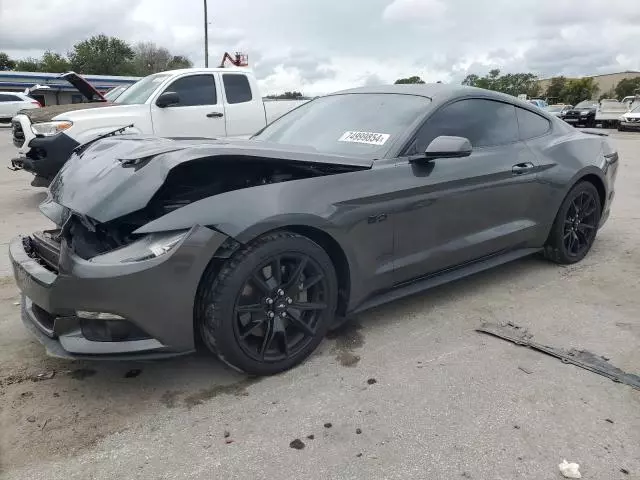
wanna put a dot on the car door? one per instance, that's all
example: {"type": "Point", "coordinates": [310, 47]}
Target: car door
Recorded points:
{"type": "Point", "coordinates": [199, 112]}
{"type": "Point", "coordinates": [456, 210]}
{"type": "Point", "coordinates": [244, 114]}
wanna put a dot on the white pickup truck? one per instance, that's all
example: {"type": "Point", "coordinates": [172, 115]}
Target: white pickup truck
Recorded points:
{"type": "Point", "coordinates": [194, 102]}
{"type": "Point", "coordinates": [609, 112]}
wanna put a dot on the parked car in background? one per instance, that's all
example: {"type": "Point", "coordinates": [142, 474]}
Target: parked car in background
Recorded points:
{"type": "Point", "coordinates": [11, 103]}
{"type": "Point", "coordinates": [538, 102]}
{"type": "Point", "coordinates": [630, 120]}
{"type": "Point", "coordinates": [558, 110]}
{"type": "Point", "coordinates": [257, 247]}
{"type": "Point", "coordinates": [584, 113]}
{"type": "Point", "coordinates": [193, 102]}
{"type": "Point", "coordinates": [609, 111]}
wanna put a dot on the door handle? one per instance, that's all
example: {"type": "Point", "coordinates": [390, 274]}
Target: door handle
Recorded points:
{"type": "Point", "coordinates": [215, 115]}
{"type": "Point", "coordinates": [522, 168]}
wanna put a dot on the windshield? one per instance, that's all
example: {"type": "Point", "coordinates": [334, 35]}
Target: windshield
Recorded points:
{"type": "Point", "coordinates": [586, 104]}
{"type": "Point", "coordinates": [555, 108]}
{"type": "Point", "coordinates": [114, 93]}
{"type": "Point", "coordinates": [140, 91]}
{"type": "Point", "coordinates": [363, 124]}
{"type": "Point", "coordinates": [636, 110]}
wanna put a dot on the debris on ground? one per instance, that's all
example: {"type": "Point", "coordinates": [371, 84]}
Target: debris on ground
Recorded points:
{"type": "Point", "coordinates": [358, 455]}
{"type": "Point", "coordinates": [328, 425]}
{"type": "Point", "coordinates": [133, 373]}
{"type": "Point", "coordinates": [569, 470]}
{"type": "Point", "coordinates": [228, 441]}
{"type": "Point", "coordinates": [297, 444]}
{"type": "Point", "coordinates": [311, 437]}
{"type": "Point", "coordinates": [371, 381]}
{"type": "Point", "coordinates": [525, 370]}
{"type": "Point", "coordinates": [625, 471]}
{"type": "Point", "coordinates": [608, 420]}
{"type": "Point", "coordinates": [580, 358]}
{"type": "Point", "coordinates": [358, 431]}
{"type": "Point", "coordinates": [44, 376]}
{"type": "Point", "coordinates": [31, 419]}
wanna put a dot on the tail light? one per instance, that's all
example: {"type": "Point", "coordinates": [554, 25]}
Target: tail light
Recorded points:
{"type": "Point", "coordinates": [36, 102]}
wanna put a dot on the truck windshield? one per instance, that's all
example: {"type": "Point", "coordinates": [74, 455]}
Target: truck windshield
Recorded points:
{"type": "Point", "coordinates": [360, 124]}
{"type": "Point", "coordinates": [140, 91]}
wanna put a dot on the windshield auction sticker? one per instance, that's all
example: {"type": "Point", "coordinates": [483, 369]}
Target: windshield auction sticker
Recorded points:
{"type": "Point", "coordinates": [365, 137]}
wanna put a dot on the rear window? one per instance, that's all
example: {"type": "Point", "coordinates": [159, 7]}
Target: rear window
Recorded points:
{"type": "Point", "coordinates": [359, 124]}
{"type": "Point", "coordinates": [530, 124]}
{"type": "Point", "coordinates": [10, 98]}
{"type": "Point", "coordinates": [237, 88]}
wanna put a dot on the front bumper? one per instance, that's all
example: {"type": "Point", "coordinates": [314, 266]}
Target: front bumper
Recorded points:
{"type": "Point", "coordinates": [45, 155]}
{"type": "Point", "coordinates": [630, 125]}
{"type": "Point", "coordinates": [157, 296]}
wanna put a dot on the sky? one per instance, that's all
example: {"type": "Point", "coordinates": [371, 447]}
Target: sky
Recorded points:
{"type": "Point", "coordinates": [319, 46]}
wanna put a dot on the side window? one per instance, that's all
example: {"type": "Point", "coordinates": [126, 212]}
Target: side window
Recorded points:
{"type": "Point", "coordinates": [237, 88]}
{"type": "Point", "coordinates": [9, 98]}
{"type": "Point", "coordinates": [4, 98]}
{"type": "Point", "coordinates": [484, 122]}
{"type": "Point", "coordinates": [531, 125]}
{"type": "Point", "coordinates": [194, 90]}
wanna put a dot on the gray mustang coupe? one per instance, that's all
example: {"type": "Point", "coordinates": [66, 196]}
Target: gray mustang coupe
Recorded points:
{"type": "Point", "coordinates": [258, 247]}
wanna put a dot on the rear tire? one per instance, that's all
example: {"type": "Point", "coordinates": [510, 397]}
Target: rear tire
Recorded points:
{"type": "Point", "coordinates": [270, 305]}
{"type": "Point", "coordinates": [575, 226]}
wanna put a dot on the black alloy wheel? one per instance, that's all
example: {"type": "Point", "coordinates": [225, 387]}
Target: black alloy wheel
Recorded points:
{"type": "Point", "coordinates": [580, 224]}
{"type": "Point", "coordinates": [278, 309]}
{"type": "Point", "coordinates": [269, 306]}
{"type": "Point", "coordinates": [576, 225]}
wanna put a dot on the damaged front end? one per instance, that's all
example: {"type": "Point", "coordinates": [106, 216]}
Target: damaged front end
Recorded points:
{"type": "Point", "coordinates": [105, 283]}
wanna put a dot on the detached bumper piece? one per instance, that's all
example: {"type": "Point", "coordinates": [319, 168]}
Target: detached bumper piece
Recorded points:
{"type": "Point", "coordinates": [579, 358]}
{"type": "Point", "coordinates": [120, 311]}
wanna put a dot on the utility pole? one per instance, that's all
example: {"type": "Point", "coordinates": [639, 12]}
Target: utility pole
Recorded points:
{"type": "Point", "coordinates": [206, 37]}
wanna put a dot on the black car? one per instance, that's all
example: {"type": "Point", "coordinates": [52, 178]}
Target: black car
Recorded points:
{"type": "Point", "coordinates": [584, 113]}
{"type": "Point", "coordinates": [260, 246]}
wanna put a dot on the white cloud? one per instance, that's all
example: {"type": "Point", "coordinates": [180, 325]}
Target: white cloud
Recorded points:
{"type": "Point", "coordinates": [423, 10]}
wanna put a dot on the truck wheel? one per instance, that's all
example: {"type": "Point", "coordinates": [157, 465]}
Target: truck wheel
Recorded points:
{"type": "Point", "coordinates": [575, 226]}
{"type": "Point", "coordinates": [270, 305]}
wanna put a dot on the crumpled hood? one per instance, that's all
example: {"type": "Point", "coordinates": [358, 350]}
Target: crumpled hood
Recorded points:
{"type": "Point", "coordinates": [119, 175]}
{"type": "Point", "coordinates": [46, 114]}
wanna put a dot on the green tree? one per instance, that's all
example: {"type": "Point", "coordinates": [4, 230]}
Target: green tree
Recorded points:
{"type": "Point", "coordinates": [579, 89]}
{"type": "Point", "coordinates": [179, 61]}
{"type": "Point", "coordinates": [102, 55]}
{"type": "Point", "coordinates": [28, 65]}
{"type": "Point", "coordinates": [149, 58]}
{"type": "Point", "coordinates": [555, 88]}
{"type": "Point", "coordinates": [54, 63]}
{"type": "Point", "coordinates": [5, 62]}
{"type": "Point", "coordinates": [511, 83]}
{"type": "Point", "coordinates": [414, 79]}
{"type": "Point", "coordinates": [287, 96]}
{"type": "Point", "coordinates": [627, 87]}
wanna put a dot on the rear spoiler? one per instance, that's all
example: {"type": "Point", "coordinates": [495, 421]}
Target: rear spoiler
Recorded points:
{"type": "Point", "coordinates": [593, 131]}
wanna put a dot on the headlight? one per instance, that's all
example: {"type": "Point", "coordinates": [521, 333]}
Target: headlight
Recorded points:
{"type": "Point", "coordinates": [146, 248]}
{"type": "Point", "coordinates": [47, 129]}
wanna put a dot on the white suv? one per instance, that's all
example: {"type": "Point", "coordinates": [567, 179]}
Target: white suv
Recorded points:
{"type": "Point", "coordinates": [11, 103]}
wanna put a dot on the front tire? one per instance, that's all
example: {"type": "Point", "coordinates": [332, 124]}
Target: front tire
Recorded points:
{"type": "Point", "coordinates": [575, 226]}
{"type": "Point", "coordinates": [270, 305]}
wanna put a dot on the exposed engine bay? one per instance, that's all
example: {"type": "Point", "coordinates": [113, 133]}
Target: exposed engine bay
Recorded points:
{"type": "Point", "coordinates": [185, 184]}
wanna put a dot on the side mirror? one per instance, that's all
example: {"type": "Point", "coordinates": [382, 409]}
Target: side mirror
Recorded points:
{"type": "Point", "coordinates": [448, 147]}
{"type": "Point", "coordinates": [168, 99]}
